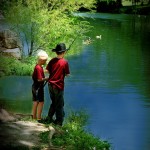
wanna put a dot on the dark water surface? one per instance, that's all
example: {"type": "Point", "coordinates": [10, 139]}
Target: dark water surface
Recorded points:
{"type": "Point", "coordinates": [110, 79]}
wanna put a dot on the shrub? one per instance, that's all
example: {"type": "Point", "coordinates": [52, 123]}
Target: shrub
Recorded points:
{"type": "Point", "coordinates": [12, 66]}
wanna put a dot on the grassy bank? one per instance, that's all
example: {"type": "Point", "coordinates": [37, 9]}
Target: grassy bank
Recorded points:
{"type": "Point", "coordinates": [73, 136]}
{"type": "Point", "coordinates": [20, 132]}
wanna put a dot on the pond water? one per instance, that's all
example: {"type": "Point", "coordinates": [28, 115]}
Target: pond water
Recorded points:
{"type": "Point", "coordinates": [109, 79]}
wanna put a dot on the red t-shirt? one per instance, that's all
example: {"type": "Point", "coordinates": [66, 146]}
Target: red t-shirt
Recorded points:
{"type": "Point", "coordinates": [38, 74]}
{"type": "Point", "coordinates": [58, 68]}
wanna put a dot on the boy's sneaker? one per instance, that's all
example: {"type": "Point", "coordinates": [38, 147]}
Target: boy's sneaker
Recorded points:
{"type": "Point", "coordinates": [40, 120]}
{"type": "Point", "coordinates": [56, 122]}
{"type": "Point", "coordinates": [48, 120]}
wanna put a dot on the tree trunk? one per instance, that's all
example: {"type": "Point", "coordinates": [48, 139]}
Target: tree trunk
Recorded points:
{"type": "Point", "coordinates": [31, 48]}
{"type": "Point", "coordinates": [32, 40]}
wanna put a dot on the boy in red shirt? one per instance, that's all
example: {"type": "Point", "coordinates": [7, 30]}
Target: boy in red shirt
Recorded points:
{"type": "Point", "coordinates": [58, 68]}
{"type": "Point", "coordinates": [37, 86]}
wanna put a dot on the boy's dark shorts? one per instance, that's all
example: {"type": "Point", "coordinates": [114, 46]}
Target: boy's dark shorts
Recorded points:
{"type": "Point", "coordinates": [37, 94]}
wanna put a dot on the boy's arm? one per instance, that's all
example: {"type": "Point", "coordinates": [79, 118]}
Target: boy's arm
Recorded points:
{"type": "Point", "coordinates": [46, 71]}
{"type": "Point", "coordinates": [67, 75]}
{"type": "Point", "coordinates": [46, 78]}
{"type": "Point", "coordinates": [43, 79]}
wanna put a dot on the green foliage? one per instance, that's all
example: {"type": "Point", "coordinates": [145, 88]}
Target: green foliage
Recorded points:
{"type": "Point", "coordinates": [12, 66]}
{"type": "Point", "coordinates": [44, 23]}
{"type": "Point", "coordinates": [74, 137]}
{"type": "Point", "coordinates": [24, 67]}
{"type": "Point", "coordinates": [77, 119]}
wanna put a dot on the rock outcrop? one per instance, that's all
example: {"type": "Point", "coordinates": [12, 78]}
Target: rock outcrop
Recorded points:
{"type": "Point", "coordinates": [15, 52]}
{"type": "Point", "coordinates": [9, 41]}
{"type": "Point", "coordinates": [17, 134]}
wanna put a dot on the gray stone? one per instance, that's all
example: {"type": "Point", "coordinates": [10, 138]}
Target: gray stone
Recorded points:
{"type": "Point", "coordinates": [9, 39]}
{"type": "Point", "coordinates": [13, 52]}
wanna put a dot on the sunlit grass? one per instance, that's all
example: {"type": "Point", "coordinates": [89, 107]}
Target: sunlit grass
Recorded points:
{"type": "Point", "coordinates": [72, 135]}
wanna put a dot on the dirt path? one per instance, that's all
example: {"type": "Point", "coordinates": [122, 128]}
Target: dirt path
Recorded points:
{"type": "Point", "coordinates": [15, 133]}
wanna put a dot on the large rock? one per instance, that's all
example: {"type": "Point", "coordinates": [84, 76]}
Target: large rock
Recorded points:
{"type": "Point", "coordinates": [10, 43]}
{"type": "Point", "coordinates": [5, 116]}
{"type": "Point", "coordinates": [12, 52]}
{"type": "Point", "coordinates": [17, 134]}
{"type": "Point", "coordinates": [9, 39]}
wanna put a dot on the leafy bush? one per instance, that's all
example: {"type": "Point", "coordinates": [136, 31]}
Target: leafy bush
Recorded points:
{"type": "Point", "coordinates": [12, 66]}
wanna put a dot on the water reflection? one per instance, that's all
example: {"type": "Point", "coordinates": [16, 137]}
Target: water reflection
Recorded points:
{"type": "Point", "coordinates": [15, 93]}
{"type": "Point", "coordinates": [110, 79]}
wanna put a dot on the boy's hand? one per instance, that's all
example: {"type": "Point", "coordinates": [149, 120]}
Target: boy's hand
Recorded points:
{"type": "Point", "coordinates": [46, 79]}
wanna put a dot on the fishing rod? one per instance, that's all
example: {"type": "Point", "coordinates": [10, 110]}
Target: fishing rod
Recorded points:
{"type": "Point", "coordinates": [45, 82]}
{"type": "Point", "coordinates": [72, 43]}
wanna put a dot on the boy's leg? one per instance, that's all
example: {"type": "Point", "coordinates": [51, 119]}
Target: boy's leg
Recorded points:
{"type": "Point", "coordinates": [51, 111]}
{"type": "Point", "coordinates": [39, 111]}
{"type": "Point", "coordinates": [60, 108]}
{"type": "Point", "coordinates": [34, 109]}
